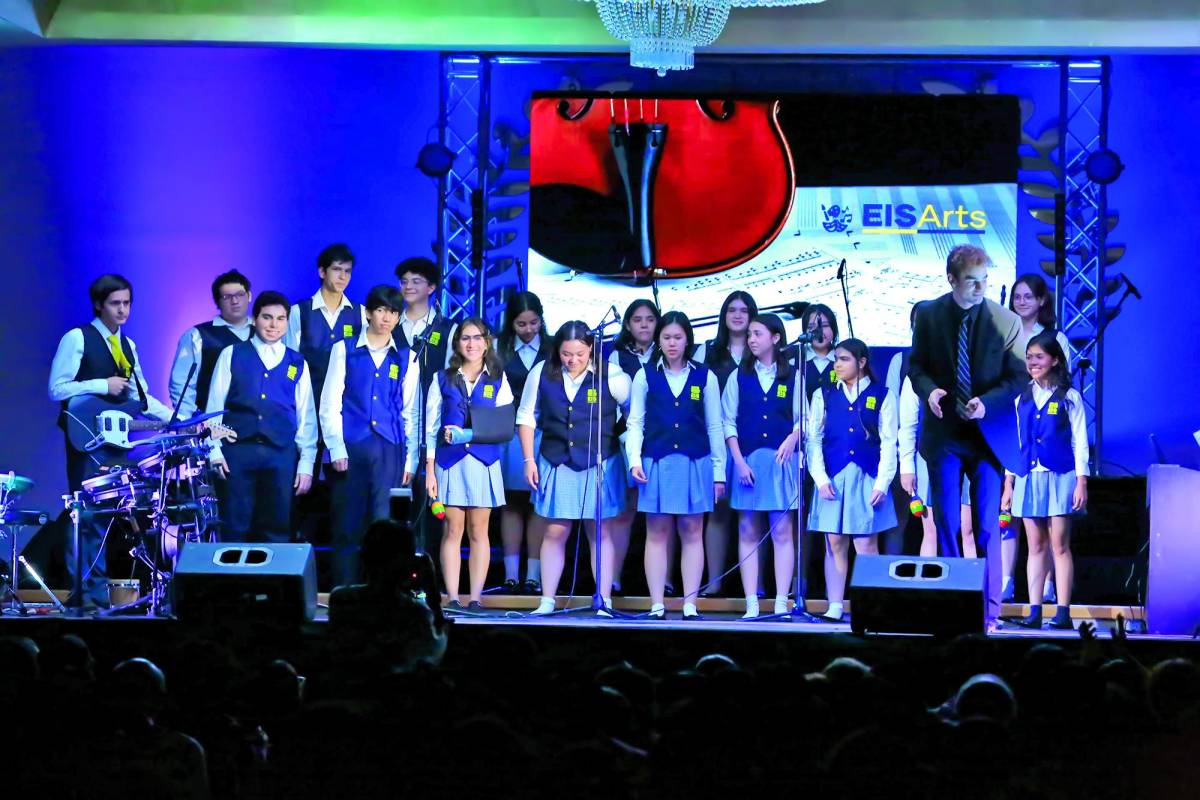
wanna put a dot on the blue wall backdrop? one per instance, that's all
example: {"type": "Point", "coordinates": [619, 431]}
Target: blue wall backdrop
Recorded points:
{"type": "Point", "coordinates": [171, 164]}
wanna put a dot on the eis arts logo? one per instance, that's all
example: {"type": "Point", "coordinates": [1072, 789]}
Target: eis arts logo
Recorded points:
{"type": "Point", "coordinates": [905, 219]}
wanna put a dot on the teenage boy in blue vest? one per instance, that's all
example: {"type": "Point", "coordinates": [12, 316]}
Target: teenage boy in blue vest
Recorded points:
{"type": "Point", "coordinates": [367, 418]}
{"type": "Point", "coordinates": [201, 344]}
{"type": "Point", "coordinates": [419, 279]}
{"type": "Point", "coordinates": [317, 323]}
{"type": "Point", "coordinates": [97, 359]}
{"type": "Point", "coordinates": [264, 390]}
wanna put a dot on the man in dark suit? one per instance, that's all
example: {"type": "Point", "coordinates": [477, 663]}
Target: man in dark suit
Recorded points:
{"type": "Point", "coordinates": [963, 368]}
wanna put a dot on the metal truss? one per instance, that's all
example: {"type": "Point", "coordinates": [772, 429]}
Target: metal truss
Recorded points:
{"type": "Point", "coordinates": [1085, 93]}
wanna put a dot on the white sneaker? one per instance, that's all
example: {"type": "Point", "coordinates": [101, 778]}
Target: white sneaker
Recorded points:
{"type": "Point", "coordinates": [751, 608]}
{"type": "Point", "coordinates": [781, 606]}
{"type": "Point", "coordinates": [545, 606]}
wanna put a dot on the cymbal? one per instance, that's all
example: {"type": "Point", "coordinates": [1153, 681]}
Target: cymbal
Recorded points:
{"type": "Point", "coordinates": [15, 484]}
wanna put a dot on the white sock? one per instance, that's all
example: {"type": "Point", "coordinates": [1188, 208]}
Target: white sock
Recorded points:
{"type": "Point", "coordinates": [835, 611]}
{"type": "Point", "coordinates": [607, 601]}
{"type": "Point", "coordinates": [751, 608]}
{"type": "Point", "coordinates": [545, 606]}
{"type": "Point", "coordinates": [512, 567]}
{"type": "Point", "coordinates": [657, 607]}
{"type": "Point", "coordinates": [781, 604]}
{"type": "Point", "coordinates": [533, 570]}
{"type": "Point", "coordinates": [689, 610]}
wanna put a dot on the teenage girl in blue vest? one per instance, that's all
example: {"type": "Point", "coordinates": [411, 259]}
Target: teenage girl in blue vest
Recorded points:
{"type": "Point", "coordinates": [721, 355]}
{"type": "Point", "coordinates": [1052, 433]}
{"type": "Point", "coordinates": [818, 356]}
{"type": "Point", "coordinates": [576, 410]}
{"type": "Point", "coordinates": [676, 453]}
{"type": "Point", "coordinates": [633, 347]}
{"type": "Point", "coordinates": [761, 410]}
{"type": "Point", "coordinates": [465, 476]}
{"type": "Point", "coordinates": [852, 456]}
{"type": "Point", "coordinates": [522, 344]}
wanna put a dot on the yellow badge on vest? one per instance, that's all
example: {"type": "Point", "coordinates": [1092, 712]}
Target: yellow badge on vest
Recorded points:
{"type": "Point", "coordinates": [394, 371]}
{"type": "Point", "coordinates": [833, 376]}
{"type": "Point", "coordinates": [871, 403]}
{"type": "Point", "coordinates": [781, 390]}
{"type": "Point", "coordinates": [291, 373]}
{"type": "Point", "coordinates": [435, 338]}
{"type": "Point", "coordinates": [347, 331]}
{"type": "Point", "coordinates": [593, 396]}
{"type": "Point", "coordinates": [1052, 408]}
{"type": "Point", "coordinates": [489, 391]}
{"type": "Point", "coordinates": [695, 394]}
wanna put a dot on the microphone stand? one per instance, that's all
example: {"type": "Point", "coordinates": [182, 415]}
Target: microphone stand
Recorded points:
{"type": "Point", "coordinates": [844, 280]}
{"type": "Point", "coordinates": [420, 347]}
{"type": "Point", "coordinates": [799, 612]}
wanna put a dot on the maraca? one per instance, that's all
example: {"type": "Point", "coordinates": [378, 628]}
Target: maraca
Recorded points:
{"type": "Point", "coordinates": [916, 506]}
{"type": "Point", "coordinates": [438, 508]}
{"type": "Point", "coordinates": [1005, 519]}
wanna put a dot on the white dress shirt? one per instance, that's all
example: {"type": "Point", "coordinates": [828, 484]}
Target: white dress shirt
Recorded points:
{"type": "Point", "coordinates": [618, 391]}
{"type": "Point", "coordinates": [888, 422]}
{"type": "Point", "coordinates": [292, 337]}
{"type": "Point", "coordinates": [1023, 338]}
{"type": "Point", "coordinates": [433, 407]}
{"type": "Point", "coordinates": [335, 388]}
{"type": "Point", "coordinates": [614, 359]}
{"type": "Point", "coordinates": [527, 351]}
{"type": "Point", "coordinates": [735, 352]}
{"type": "Point", "coordinates": [65, 367]}
{"type": "Point", "coordinates": [306, 414]}
{"type": "Point", "coordinates": [1077, 418]}
{"type": "Point", "coordinates": [635, 433]}
{"type": "Point", "coordinates": [189, 352]}
{"type": "Point", "coordinates": [415, 327]}
{"type": "Point", "coordinates": [822, 363]}
{"type": "Point", "coordinates": [910, 424]}
{"type": "Point", "coordinates": [766, 379]}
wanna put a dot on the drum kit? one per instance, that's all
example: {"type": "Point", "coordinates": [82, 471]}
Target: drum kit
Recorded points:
{"type": "Point", "coordinates": [12, 520]}
{"type": "Point", "coordinates": [164, 496]}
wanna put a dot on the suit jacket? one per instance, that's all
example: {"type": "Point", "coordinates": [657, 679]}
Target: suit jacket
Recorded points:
{"type": "Point", "coordinates": [997, 375]}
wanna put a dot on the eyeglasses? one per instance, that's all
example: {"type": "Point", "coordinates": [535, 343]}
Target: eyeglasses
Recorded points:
{"type": "Point", "coordinates": [233, 298]}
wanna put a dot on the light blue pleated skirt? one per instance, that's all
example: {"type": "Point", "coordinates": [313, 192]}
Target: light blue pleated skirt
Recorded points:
{"type": "Point", "coordinates": [676, 485]}
{"type": "Point", "coordinates": [471, 484]}
{"type": "Point", "coordinates": [512, 462]}
{"type": "Point", "coordinates": [774, 486]}
{"type": "Point", "coordinates": [1044, 494]}
{"type": "Point", "coordinates": [850, 511]}
{"type": "Point", "coordinates": [564, 493]}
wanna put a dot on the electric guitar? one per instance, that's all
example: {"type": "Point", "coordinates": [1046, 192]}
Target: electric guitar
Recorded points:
{"type": "Point", "coordinates": [94, 422]}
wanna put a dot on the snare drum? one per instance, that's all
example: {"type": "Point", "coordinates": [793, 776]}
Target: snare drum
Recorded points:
{"type": "Point", "coordinates": [124, 592]}
{"type": "Point", "coordinates": [119, 485]}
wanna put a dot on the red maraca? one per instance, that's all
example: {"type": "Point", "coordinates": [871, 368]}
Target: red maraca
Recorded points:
{"type": "Point", "coordinates": [438, 508]}
{"type": "Point", "coordinates": [1005, 519]}
{"type": "Point", "coordinates": [916, 506]}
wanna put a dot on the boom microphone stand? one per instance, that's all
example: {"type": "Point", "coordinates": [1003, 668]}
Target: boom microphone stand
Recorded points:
{"type": "Point", "coordinates": [799, 612]}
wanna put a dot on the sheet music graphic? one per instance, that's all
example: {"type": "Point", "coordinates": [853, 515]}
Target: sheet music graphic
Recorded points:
{"type": "Point", "coordinates": [895, 256]}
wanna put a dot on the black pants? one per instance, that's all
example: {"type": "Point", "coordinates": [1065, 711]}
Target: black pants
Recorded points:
{"type": "Point", "coordinates": [359, 496]}
{"type": "Point", "coordinates": [81, 466]}
{"type": "Point", "coordinates": [257, 501]}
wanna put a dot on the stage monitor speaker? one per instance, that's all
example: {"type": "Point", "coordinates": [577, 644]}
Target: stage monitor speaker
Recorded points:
{"type": "Point", "coordinates": [909, 594]}
{"type": "Point", "coordinates": [233, 582]}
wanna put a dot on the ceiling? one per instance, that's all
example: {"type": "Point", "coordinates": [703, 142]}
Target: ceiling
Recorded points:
{"type": "Point", "coordinates": [841, 26]}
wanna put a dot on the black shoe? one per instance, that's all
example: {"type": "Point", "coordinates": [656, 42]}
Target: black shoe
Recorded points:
{"type": "Point", "coordinates": [692, 617]}
{"type": "Point", "coordinates": [1033, 621]}
{"type": "Point", "coordinates": [453, 605]}
{"type": "Point", "coordinates": [659, 614]}
{"type": "Point", "coordinates": [531, 587]}
{"type": "Point", "coordinates": [510, 586]}
{"type": "Point", "coordinates": [1062, 620]}
{"type": "Point", "coordinates": [475, 607]}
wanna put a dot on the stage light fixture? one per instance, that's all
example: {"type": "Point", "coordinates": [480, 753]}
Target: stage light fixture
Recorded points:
{"type": "Point", "coordinates": [1103, 167]}
{"type": "Point", "coordinates": [435, 160]}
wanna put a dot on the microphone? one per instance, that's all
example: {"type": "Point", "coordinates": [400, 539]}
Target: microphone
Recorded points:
{"type": "Point", "coordinates": [1003, 292]}
{"type": "Point", "coordinates": [1129, 285]}
{"type": "Point", "coordinates": [842, 270]}
{"type": "Point", "coordinates": [815, 336]}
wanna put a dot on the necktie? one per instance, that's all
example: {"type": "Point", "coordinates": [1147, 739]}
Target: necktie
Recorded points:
{"type": "Point", "coordinates": [962, 380]}
{"type": "Point", "coordinates": [118, 354]}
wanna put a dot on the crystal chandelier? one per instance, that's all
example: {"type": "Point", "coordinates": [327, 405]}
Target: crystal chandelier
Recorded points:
{"type": "Point", "coordinates": [664, 34]}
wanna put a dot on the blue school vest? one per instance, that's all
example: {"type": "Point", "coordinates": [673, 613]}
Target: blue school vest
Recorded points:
{"type": "Point", "coordinates": [815, 379]}
{"type": "Point", "coordinates": [564, 423]}
{"type": "Point", "coordinates": [97, 362]}
{"type": "Point", "coordinates": [675, 424]}
{"type": "Point", "coordinates": [261, 401]}
{"type": "Point", "coordinates": [317, 338]}
{"type": "Point", "coordinates": [852, 429]}
{"type": "Point", "coordinates": [517, 374]}
{"type": "Point", "coordinates": [433, 355]}
{"type": "Point", "coordinates": [373, 400]}
{"type": "Point", "coordinates": [721, 363]}
{"type": "Point", "coordinates": [1045, 433]}
{"type": "Point", "coordinates": [763, 420]}
{"type": "Point", "coordinates": [213, 339]}
{"type": "Point", "coordinates": [456, 410]}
